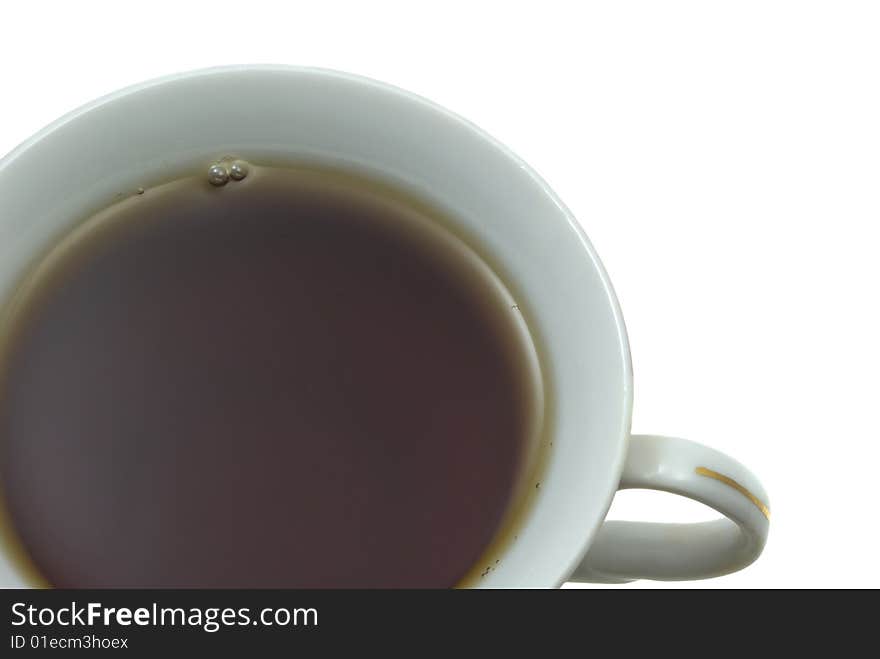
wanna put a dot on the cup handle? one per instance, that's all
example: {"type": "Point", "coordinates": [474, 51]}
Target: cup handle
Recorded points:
{"type": "Point", "coordinates": [625, 551]}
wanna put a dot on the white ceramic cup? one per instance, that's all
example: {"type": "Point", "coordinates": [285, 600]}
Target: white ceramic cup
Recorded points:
{"type": "Point", "coordinates": [139, 135]}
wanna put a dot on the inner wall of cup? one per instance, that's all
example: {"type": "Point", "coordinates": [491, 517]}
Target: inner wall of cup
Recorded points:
{"type": "Point", "coordinates": [157, 131]}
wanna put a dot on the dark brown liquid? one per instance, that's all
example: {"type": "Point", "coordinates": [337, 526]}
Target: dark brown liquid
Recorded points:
{"type": "Point", "coordinates": [296, 380]}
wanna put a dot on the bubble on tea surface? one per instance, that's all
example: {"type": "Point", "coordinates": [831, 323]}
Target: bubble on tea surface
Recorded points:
{"type": "Point", "coordinates": [218, 175]}
{"type": "Point", "coordinates": [238, 170]}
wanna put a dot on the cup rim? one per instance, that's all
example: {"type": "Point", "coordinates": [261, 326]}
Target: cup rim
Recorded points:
{"type": "Point", "coordinates": [619, 451]}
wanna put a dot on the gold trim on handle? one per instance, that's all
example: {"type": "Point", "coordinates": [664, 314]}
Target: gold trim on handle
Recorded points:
{"type": "Point", "coordinates": [727, 480]}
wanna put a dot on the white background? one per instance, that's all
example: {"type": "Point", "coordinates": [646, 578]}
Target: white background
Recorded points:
{"type": "Point", "coordinates": [724, 158]}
